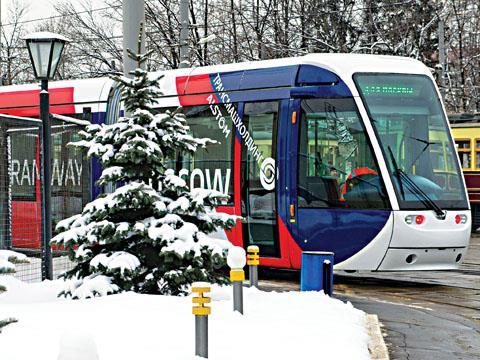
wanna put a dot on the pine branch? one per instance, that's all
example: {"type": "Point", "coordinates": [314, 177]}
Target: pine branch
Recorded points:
{"type": "Point", "coordinates": [6, 322]}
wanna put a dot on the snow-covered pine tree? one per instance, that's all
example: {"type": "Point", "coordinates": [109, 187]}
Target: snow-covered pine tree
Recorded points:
{"type": "Point", "coordinates": [139, 238]}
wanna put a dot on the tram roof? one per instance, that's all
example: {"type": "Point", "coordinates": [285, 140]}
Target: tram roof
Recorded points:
{"type": "Point", "coordinates": [340, 63]}
{"type": "Point", "coordinates": [252, 74]}
{"type": "Point", "coordinates": [256, 73]}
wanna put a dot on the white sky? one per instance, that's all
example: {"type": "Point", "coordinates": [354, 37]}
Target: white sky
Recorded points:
{"type": "Point", "coordinates": [42, 8]}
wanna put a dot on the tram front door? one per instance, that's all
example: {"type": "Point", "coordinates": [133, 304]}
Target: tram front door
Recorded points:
{"type": "Point", "coordinates": [259, 202]}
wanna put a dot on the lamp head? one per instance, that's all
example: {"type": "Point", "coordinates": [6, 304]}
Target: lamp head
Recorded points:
{"type": "Point", "coordinates": [45, 49]}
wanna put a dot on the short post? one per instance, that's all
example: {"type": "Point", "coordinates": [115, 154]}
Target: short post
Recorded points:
{"type": "Point", "coordinates": [236, 259]}
{"type": "Point", "coordinates": [201, 312]}
{"type": "Point", "coordinates": [253, 260]}
{"type": "Point", "coordinates": [317, 271]}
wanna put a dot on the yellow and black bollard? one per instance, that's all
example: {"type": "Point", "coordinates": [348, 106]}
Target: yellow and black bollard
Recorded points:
{"type": "Point", "coordinates": [253, 260]}
{"type": "Point", "coordinates": [201, 312]}
{"type": "Point", "coordinates": [237, 276]}
{"type": "Point", "coordinates": [236, 259]}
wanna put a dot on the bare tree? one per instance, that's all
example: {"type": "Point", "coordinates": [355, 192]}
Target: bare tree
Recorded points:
{"type": "Point", "coordinates": [15, 64]}
{"type": "Point", "coordinates": [263, 29]}
{"type": "Point", "coordinates": [463, 39]}
{"type": "Point", "coordinates": [95, 49]}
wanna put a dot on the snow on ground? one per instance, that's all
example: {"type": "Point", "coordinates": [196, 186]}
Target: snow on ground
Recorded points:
{"type": "Point", "coordinates": [32, 272]}
{"type": "Point", "coordinates": [129, 326]}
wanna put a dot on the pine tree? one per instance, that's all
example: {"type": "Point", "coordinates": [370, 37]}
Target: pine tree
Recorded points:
{"type": "Point", "coordinates": [139, 238]}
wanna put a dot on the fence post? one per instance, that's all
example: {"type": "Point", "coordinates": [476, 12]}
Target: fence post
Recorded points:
{"type": "Point", "coordinates": [201, 312]}
{"type": "Point", "coordinates": [253, 260]}
{"type": "Point", "coordinates": [5, 186]}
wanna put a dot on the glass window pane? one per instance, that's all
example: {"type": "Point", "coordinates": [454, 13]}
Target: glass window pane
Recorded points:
{"type": "Point", "coordinates": [436, 157]}
{"type": "Point", "coordinates": [463, 144]}
{"type": "Point", "coordinates": [40, 54]}
{"type": "Point", "coordinates": [57, 51]}
{"type": "Point", "coordinates": [407, 115]}
{"type": "Point", "coordinates": [465, 159]}
{"type": "Point", "coordinates": [258, 181]}
{"type": "Point", "coordinates": [210, 167]}
{"type": "Point", "coordinates": [336, 164]}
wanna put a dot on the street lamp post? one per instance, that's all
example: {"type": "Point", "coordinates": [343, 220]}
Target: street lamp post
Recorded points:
{"type": "Point", "coordinates": [45, 51]}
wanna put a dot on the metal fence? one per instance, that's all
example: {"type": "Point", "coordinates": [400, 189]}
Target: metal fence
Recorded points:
{"type": "Point", "coordinates": [20, 189]}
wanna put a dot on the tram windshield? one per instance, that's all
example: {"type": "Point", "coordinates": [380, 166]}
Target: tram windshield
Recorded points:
{"type": "Point", "coordinates": [337, 168]}
{"type": "Point", "coordinates": [409, 121]}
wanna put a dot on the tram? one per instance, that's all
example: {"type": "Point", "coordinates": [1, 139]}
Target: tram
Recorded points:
{"type": "Point", "coordinates": [466, 134]}
{"type": "Point", "coordinates": [325, 152]}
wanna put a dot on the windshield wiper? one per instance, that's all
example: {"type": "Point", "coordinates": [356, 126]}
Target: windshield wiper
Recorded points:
{"type": "Point", "coordinates": [415, 189]}
{"type": "Point", "coordinates": [427, 144]}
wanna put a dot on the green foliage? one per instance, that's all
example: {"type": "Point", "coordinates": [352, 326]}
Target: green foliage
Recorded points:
{"type": "Point", "coordinates": [6, 271]}
{"type": "Point", "coordinates": [139, 237]}
{"type": "Point", "coordinates": [6, 322]}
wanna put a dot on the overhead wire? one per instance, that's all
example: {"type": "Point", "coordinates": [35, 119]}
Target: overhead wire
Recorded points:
{"type": "Point", "coordinates": [60, 15]}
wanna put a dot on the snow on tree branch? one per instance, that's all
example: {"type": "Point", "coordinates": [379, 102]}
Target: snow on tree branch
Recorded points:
{"type": "Point", "coordinates": [141, 238]}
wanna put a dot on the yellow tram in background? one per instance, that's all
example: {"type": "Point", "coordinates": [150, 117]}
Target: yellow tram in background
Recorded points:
{"type": "Point", "coordinates": [466, 134]}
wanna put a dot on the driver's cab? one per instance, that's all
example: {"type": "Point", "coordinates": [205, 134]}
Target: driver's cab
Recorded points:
{"type": "Point", "coordinates": [337, 168]}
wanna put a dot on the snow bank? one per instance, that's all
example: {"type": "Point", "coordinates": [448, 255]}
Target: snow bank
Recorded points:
{"type": "Point", "coordinates": [132, 326]}
{"type": "Point", "coordinates": [19, 292]}
{"type": "Point", "coordinates": [8, 259]}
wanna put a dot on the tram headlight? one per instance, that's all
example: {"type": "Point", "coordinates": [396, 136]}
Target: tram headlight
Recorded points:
{"type": "Point", "coordinates": [415, 219]}
{"type": "Point", "coordinates": [460, 219]}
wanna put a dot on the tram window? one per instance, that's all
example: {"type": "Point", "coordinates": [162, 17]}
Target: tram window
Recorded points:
{"type": "Point", "coordinates": [436, 156]}
{"type": "Point", "coordinates": [336, 165]}
{"type": "Point", "coordinates": [210, 167]}
{"type": "Point", "coordinates": [477, 153]}
{"type": "Point", "coordinates": [464, 153]}
{"type": "Point", "coordinates": [259, 205]}
{"type": "Point", "coordinates": [463, 144]}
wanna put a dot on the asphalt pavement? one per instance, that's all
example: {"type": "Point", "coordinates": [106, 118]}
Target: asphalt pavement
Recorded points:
{"type": "Point", "coordinates": [425, 315]}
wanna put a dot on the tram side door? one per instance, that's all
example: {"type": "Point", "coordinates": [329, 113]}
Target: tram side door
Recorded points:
{"type": "Point", "coordinates": [258, 177]}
